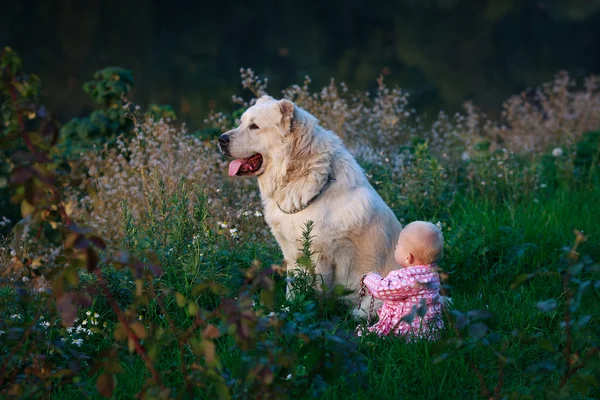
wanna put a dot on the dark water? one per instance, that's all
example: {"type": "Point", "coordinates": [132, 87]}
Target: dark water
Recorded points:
{"type": "Point", "coordinates": [188, 53]}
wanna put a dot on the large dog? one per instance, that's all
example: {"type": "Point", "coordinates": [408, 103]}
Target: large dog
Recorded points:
{"type": "Point", "coordinates": [305, 173]}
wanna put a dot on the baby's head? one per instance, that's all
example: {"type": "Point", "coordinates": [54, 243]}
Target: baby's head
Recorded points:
{"type": "Point", "coordinates": [420, 243]}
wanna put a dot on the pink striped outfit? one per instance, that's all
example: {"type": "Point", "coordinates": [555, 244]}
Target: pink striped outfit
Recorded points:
{"type": "Point", "coordinates": [402, 290]}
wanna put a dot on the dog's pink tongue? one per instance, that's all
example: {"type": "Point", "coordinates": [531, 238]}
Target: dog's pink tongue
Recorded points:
{"type": "Point", "coordinates": [235, 166]}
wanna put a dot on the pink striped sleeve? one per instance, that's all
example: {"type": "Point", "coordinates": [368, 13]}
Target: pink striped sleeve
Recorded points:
{"type": "Point", "coordinates": [396, 286]}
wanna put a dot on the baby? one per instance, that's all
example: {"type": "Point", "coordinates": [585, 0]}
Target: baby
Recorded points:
{"type": "Point", "coordinates": [411, 288]}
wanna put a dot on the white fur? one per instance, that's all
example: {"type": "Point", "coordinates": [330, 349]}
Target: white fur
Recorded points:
{"type": "Point", "coordinates": [355, 231]}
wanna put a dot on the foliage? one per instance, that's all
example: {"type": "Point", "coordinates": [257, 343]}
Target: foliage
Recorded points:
{"type": "Point", "coordinates": [171, 300]}
{"type": "Point", "coordinates": [110, 89]}
{"type": "Point", "coordinates": [44, 350]}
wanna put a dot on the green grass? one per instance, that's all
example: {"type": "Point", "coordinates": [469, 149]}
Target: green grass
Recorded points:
{"type": "Point", "coordinates": [487, 245]}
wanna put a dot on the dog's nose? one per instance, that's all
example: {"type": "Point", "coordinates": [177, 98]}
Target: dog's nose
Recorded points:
{"type": "Point", "coordinates": [224, 140]}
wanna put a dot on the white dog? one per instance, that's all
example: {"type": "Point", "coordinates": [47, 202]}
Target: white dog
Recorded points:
{"type": "Point", "coordinates": [305, 173]}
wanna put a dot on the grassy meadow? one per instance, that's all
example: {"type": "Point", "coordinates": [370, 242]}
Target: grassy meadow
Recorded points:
{"type": "Point", "coordinates": [185, 304]}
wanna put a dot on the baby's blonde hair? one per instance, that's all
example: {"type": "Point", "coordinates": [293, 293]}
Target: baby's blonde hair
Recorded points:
{"type": "Point", "coordinates": [424, 240]}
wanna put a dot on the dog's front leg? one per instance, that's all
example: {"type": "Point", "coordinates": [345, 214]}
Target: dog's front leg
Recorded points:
{"type": "Point", "coordinates": [325, 273]}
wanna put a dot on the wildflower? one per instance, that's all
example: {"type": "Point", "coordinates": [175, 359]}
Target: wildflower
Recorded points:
{"type": "Point", "coordinates": [70, 329]}
{"type": "Point", "coordinates": [287, 378]}
{"type": "Point", "coordinates": [96, 315]}
{"type": "Point", "coordinates": [285, 309]}
{"type": "Point", "coordinates": [438, 224]}
{"type": "Point", "coordinates": [234, 233]}
{"type": "Point", "coordinates": [77, 342]}
{"type": "Point", "coordinates": [271, 314]}
{"type": "Point", "coordinates": [104, 324]}
{"type": "Point", "coordinates": [223, 225]}
{"type": "Point", "coordinates": [257, 214]}
{"type": "Point", "coordinates": [45, 324]}
{"type": "Point", "coordinates": [16, 316]}
{"type": "Point", "coordinates": [88, 313]}
{"type": "Point", "coordinates": [141, 317]}
{"type": "Point", "coordinates": [84, 322]}
{"type": "Point", "coordinates": [13, 253]}
{"type": "Point", "coordinates": [2, 332]}
{"type": "Point", "coordinates": [557, 152]}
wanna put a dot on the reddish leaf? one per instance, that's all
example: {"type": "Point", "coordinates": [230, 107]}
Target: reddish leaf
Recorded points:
{"type": "Point", "coordinates": [21, 174]}
{"type": "Point", "coordinates": [209, 351]}
{"type": "Point", "coordinates": [51, 130]}
{"type": "Point", "coordinates": [155, 269]}
{"type": "Point", "coordinates": [73, 227]}
{"type": "Point", "coordinates": [81, 242]}
{"type": "Point", "coordinates": [98, 242]}
{"type": "Point", "coordinates": [21, 156]}
{"type": "Point", "coordinates": [138, 329]}
{"type": "Point", "coordinates": [211, 332]}
{"type": "Point", "coordinates": [67, 306]}
{"type": "Point", "coordinates": [30, 192]}
{"type": "Point", "coordinates": [92, 259]}
{"type": "Point", "coordinates": [106, 384]}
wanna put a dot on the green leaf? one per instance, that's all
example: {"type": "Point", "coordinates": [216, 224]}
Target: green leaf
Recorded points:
{"type": "Point", "coordinates": [267, 298]}
{"type": "Point", "coordinates": [180, 299]}
{"type": "Point", "coordinates": [193, 309]}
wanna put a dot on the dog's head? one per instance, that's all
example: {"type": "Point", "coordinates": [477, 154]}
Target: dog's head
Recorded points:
{"type": "Point", "coordinates": [265, 128]}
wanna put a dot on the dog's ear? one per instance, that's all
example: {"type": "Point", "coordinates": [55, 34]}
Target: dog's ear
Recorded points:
{"type": "Point", "coordinates": [287, 114]}
{"type": "Point", "coordinates": [264, 99]}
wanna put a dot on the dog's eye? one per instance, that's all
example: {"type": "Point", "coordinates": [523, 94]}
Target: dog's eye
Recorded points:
{"type": "Point", "coordinates": [254, 126]}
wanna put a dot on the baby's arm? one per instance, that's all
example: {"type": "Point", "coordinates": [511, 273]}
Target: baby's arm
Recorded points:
{"type": "Point", "coordinates": [393, 287]}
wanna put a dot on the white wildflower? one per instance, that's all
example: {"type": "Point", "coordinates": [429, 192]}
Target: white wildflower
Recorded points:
{"type": "Point", "coordinates": [257, 214]}
{"type": "Point", "coordinates": [16, 316]}
{"type": "Point", "coordinates": [2, 332]}
{"type": "Point", "coordinates": [465, 156]}
{"type": "Point", "coordinates": [77, 342]}
{"type": "Point", "coordinates": [557, 152]}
